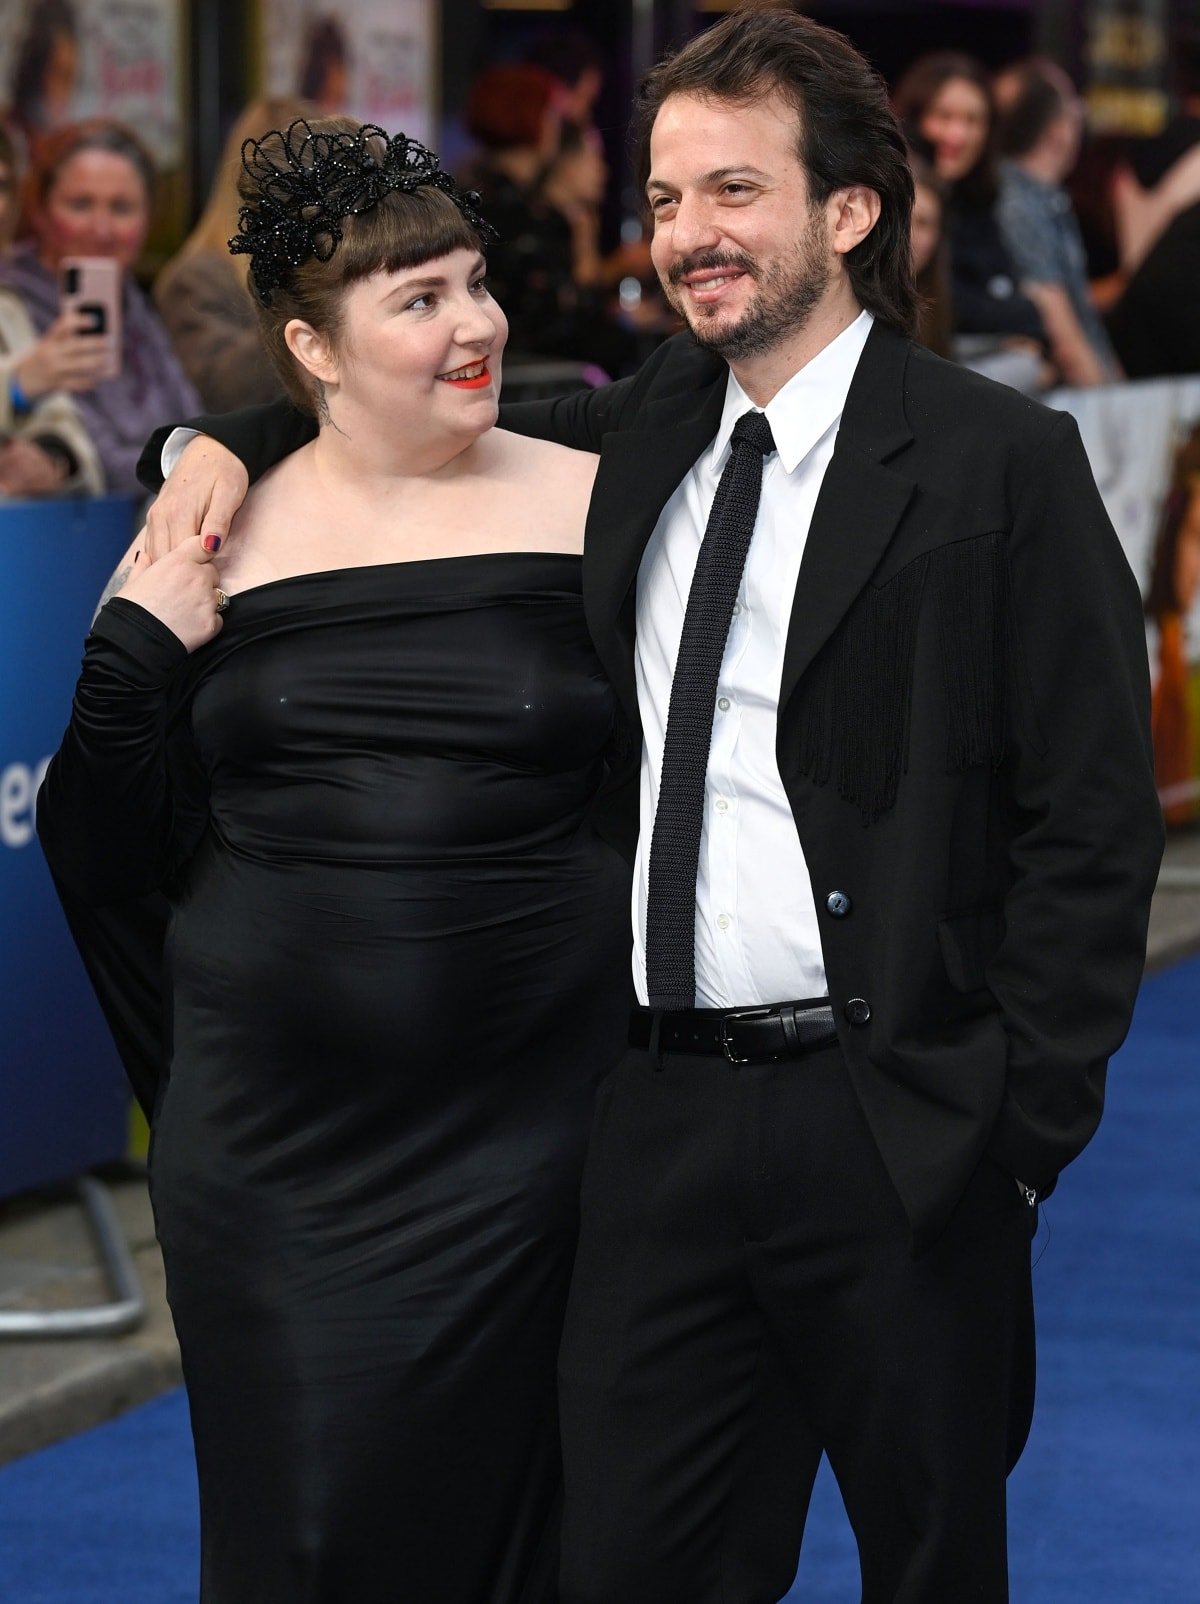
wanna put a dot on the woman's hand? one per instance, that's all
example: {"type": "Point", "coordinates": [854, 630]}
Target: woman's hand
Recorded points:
{"type": "Point", "coordinates": [27, 470]}
{"type": "Point", "coordinates": [63, 359]}
{"type": "Point", "coordinates": [181, 589]}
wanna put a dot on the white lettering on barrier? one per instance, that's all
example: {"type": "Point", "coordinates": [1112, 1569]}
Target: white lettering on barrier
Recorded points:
{"type": "Point", "coordinates": [18, 788]}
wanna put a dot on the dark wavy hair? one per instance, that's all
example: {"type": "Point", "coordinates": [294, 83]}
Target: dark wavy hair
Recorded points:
{"type": "Point", "coordinates": [1040, 98]}
{"type": "Point", "coordinates": [49, 21]}
{"type": "Point", "coordinates": [326, 48]}
{"type": "Point", "coordinates": [919, 85]}
{"type": "Point", "coordinates": [846, 132]}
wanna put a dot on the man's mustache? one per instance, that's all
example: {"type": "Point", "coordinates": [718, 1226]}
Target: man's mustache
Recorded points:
{"type": "Point", "coordinates": [700, 260]}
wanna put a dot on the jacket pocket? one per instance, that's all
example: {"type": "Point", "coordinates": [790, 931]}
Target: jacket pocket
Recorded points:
{"type": "Point", "coordinates": [967, 941]}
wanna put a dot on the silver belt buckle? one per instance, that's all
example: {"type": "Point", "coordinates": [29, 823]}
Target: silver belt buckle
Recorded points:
{"type": "Point", "coordinates": [734, 1018]}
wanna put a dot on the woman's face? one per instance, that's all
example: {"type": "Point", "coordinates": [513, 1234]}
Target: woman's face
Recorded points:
{"type": "Point", "coordinates": [97, 206]}
{"type": "Point", "coordinates": [926, 227]}
{"type": "Point", "coordinates": [956, 123]}
{"type": "Point", "coordinates": [423, 344]}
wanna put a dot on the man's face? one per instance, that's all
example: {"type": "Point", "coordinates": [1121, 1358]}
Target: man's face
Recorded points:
{"type": "Point", "coordinates": [742, 255]}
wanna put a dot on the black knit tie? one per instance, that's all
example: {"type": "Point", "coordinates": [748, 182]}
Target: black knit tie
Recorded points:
{"type": "Point", "coordinates": [679, 818]}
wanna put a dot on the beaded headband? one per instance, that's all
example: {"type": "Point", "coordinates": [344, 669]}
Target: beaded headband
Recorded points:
{"type": "Point", "coordinates": [308, 180]}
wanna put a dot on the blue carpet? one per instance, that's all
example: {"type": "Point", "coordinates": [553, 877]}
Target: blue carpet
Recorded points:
{"type": "Point", "coordinates": [109, 1517]}
{"type": "Point", "coordinates": [1105, 1504]}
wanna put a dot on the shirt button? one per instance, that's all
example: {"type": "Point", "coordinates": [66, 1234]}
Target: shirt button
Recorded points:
{"type": "Point", "coordinates": [723, 703]}
{"type": "Point", "coordinates": [737, 609]}
{"type": "Point", "coordinates": [723, 921]}
{"type": "Point", "coordinates": [837, 904]}
{"type": "Point", "coordinates": [858, 1010]}
{"type": "Point", "coordinates": [721, 805]}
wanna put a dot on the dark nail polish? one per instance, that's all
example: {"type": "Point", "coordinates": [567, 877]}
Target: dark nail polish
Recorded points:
{"type": "Point", "coordinates": [212, 542]}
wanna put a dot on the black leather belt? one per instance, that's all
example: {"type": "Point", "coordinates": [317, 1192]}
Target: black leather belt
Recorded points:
{"type": "Point", "coordinates": [742, 1035]}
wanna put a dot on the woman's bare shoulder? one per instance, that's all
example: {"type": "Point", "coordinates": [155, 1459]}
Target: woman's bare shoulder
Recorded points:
{"type": "Point", "coordinates": [526, 454]}
{"type": "Point", "coordinates": [273, 512]}
{"type": "Point", "coordinates": [551, 479]}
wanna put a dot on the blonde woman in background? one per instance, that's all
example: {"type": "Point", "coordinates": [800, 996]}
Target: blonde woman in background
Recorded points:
{"type": "Point", "coordinates": [201, 293]}
{"type": "Point", "coordinates": [44, 448]}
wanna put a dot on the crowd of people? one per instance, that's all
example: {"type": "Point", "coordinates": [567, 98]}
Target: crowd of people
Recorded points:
{"type": "Point", "coordinates": [1006, 283]}
{"type": "Point", "coordinates": [803, 699]}
{"type": "Point", "coordinates": [617, 907]}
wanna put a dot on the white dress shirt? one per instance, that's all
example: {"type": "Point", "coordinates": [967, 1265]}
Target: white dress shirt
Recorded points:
{"type": "Point", "coordinates": [757, 937]}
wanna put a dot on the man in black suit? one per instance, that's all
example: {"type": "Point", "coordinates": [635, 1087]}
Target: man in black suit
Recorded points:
{"type": "Point", "coordinates": [927, 839]}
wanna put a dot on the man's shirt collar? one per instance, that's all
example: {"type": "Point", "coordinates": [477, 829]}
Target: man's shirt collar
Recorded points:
{"type": "Point", "coordinates": [808, 405]}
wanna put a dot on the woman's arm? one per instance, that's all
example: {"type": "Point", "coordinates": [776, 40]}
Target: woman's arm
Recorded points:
{"type": "Point", "coordinates": [56, 424]}
{"type": "Point", "coordinates": [104, 810]}
{"type": "Point", "coordinates": [46, 415]}
{"type": "Point", "coordinates": [113, 815]}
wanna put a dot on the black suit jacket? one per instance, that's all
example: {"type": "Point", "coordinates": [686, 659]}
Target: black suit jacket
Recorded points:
{"type": "Point", "coordinates": [963, 737]}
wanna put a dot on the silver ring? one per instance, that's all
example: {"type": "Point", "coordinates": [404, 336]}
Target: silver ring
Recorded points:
{"type": "Point", "coordinates": [222, 601]}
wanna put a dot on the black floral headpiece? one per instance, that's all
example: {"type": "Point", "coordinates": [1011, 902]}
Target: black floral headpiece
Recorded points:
{"type": "Point", "coordinates": [308, 180]}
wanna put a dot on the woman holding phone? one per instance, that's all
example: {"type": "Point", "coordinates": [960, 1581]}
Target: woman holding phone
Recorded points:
{"type": "Point", "coordinates": [87, 200]}
{"type": "Point", "coordinates": [44, 447]}
{"type": "Point", "coordinates": [361, 753]}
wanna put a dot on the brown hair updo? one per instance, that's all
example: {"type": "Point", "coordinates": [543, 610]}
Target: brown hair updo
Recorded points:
{"type": "Point", "coordinates": [403, 229]}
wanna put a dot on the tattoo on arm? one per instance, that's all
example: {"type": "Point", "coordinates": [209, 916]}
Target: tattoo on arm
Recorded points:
{"type": "Point", "coordinates": [115, 584]}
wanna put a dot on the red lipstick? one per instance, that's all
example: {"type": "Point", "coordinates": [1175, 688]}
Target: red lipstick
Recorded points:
{"type": "Point", "coordinates": [480, 382]}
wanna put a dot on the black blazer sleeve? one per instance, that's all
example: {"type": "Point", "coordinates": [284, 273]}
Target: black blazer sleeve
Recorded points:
{"type": "Point", "coordinates": [677, 371]}
{"type": "Point", "coordinates": [260, 436]}
{"type": "Point", "coordinates": [1087, 830]}
{"type": "Point", "coordinates": [581, 419]}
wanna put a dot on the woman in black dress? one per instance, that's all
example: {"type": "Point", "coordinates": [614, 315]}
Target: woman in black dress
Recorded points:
{"type": "Point", "coordinates": [359, 755]}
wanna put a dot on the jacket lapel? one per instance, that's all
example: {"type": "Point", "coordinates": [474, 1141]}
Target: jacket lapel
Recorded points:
{"type": "Point", "coordinates": [640, 470]}
{"type": "Point", "coordinates": [860, 503]}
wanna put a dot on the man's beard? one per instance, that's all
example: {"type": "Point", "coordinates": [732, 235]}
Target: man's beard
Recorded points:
{"type": "Point", "coordinates": [784, 297]}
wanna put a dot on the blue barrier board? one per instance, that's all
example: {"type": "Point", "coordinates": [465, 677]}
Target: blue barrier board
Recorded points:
{"type": "Point", "coordinates": [63, 1099]}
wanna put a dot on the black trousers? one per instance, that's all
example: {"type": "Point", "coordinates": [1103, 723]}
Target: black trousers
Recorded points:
{"type": "Point", "coordinates": [745, 1297]}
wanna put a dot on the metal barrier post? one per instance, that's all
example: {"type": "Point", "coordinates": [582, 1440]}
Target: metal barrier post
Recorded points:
{"type": "Point", "coordinates": [127, 1309]}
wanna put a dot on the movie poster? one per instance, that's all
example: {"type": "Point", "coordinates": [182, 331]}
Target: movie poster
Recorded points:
{"type": "Point", "coordinates": [61, 60]}
{"type": "Point", "coordinates": [373, 60]}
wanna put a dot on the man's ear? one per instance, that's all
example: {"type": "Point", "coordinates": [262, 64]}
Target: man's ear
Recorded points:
{"type": "Point", "coordinates": [311, 349]}
{"type": "Point", "coordinates": [855, 213]}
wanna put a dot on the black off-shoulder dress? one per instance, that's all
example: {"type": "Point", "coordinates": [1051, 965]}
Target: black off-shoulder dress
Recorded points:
{"type": "Point", "coordinates": [396, 966]}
